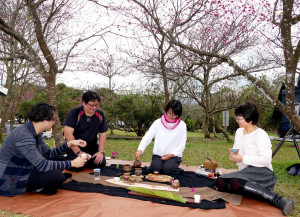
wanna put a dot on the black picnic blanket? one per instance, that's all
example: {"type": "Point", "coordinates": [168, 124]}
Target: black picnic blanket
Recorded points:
{"type": "Point", "coordinates": [186, 179]}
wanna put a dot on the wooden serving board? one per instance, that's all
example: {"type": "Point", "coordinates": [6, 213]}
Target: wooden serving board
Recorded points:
{"type": "Point", "coordinates": [137, 184]}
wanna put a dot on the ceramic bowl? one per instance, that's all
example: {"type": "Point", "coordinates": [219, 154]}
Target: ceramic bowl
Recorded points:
{"type": "Point", "coordinates": [127, 168]}
{"type": "Point", "coordinates": [138, 171]}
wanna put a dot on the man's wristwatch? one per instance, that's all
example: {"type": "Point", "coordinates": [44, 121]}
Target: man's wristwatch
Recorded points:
{"type": "Point", "coordinates": [78, 152]}
{"type": "Point", "coordinates": [102, 151]}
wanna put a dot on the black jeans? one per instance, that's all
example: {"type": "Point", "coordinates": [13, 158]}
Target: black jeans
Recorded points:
{"type": "Point", "coordinates": [167, 167]}
{"type": "Point", "coordinates": [47, 182]}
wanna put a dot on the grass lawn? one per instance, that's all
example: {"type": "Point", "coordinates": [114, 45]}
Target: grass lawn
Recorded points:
{"type": "Point", "coordinates": [198, 147]}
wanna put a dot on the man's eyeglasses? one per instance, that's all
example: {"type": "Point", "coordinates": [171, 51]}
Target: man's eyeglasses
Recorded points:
{"type": "Point", "coordinates": [173, 116]}
{"type": "Point", "coordinates": [93, 106]}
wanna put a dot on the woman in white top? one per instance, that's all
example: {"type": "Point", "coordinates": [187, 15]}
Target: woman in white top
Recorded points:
{"type": "Point", "coordinates": [169, 133]}
{"type": "Point", "coordinates": [255, 177]}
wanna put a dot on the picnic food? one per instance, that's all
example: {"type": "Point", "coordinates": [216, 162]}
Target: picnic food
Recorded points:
{"type": "Point", "coordinates": [159, 178]}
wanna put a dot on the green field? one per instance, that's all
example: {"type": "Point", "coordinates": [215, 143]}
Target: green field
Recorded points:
{"type": "Point", "coordinates": [198, 147]}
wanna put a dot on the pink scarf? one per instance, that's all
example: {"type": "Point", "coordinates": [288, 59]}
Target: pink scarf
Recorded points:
{"type": "Point", "coordinates": [170, 125]}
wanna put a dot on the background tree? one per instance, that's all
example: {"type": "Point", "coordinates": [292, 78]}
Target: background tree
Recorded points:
{"type": "Point", "coordinates": [137, 112]}
{"type": "Point", "coordinates": [49, 19]}
{"type": "Point", "coordinates": [285, 15]}
{"type": "Point", "coordinates": [15, 71]}
{"type": "Point", "coordinates": [205, 25]}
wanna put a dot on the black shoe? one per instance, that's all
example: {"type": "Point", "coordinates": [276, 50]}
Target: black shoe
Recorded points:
{"type": "Point", "coordinates": [285, 204]}
{"type": "Point", "coordinates": [67, 175]}
{"type": "Point", "coordinates": [49, 191]}
{"type": "Point", "coordinates": [293, 171]}
{"type": "Point", "coordinates": [259, 192]}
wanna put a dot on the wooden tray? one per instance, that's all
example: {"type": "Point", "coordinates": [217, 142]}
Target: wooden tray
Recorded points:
{"type": "Point", "coordinates": [138, 184]}
{"type": "Point", "coordinates": [159, 178]}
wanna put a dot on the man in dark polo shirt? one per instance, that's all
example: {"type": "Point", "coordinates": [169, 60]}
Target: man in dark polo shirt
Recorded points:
{"type": "Point", "coordinates": [85, 122]}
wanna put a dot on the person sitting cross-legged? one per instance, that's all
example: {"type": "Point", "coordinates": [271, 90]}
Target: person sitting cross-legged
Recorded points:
{"type": "Point", "coordinates": [25, 163]}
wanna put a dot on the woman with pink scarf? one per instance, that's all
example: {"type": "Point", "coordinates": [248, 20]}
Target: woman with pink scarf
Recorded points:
{"type": "Point", "coordinates": [169, 133]}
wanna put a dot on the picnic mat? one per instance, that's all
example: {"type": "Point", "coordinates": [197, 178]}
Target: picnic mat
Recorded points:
{"type": "Point", "coordinates": [73, 203]}
{"type": "Point", "coordinates": [186, 178]}
{"type": "Point", "coordinates": [186, 192]}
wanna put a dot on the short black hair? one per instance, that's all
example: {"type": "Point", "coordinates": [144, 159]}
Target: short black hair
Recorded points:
{"type": "Point", "coordinates": [248, 111]}
{"type": "Point", "coordinates": [90, 96]}
{"type": "Point", "coordinates": [41, 112]}
{"type": "Point", "coordinates": [176, 107]}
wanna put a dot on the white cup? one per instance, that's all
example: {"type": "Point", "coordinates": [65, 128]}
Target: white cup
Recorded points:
{"type": "Point", "coordinates": [97, 174]}
{"type": "Point", "coordinates": [197, 198]}
{"type": "Point", "coordinates": [85, 156]}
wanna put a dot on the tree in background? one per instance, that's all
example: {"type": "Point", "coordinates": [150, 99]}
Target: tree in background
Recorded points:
{"type": "Point", "coordinates": [67, 98]}
{"type": "Point", "coordinates": [109, 65]}
{"type": "Point", "coordinates": [284, 16]}
{"type": "Point", "coordinates": [265, 107]}
{"type": "Point", "coordinates": [50, 20]}
{"type": "Point", "coordinates": [223, 27]}
{"type": "Point", "coordinates": [136, 111]}
{"type": "Point", "coordinates": [15, 70]}
{"type": "Point", "coordinates": [107, 98]}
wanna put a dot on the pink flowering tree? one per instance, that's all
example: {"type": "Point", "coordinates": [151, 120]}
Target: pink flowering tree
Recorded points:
{"type": "Point", "coordinates": [191, 39]}
{"type": "Point", "coordinates": [54, 38]}
{"type": "Point", "coordinates": [233, 35]}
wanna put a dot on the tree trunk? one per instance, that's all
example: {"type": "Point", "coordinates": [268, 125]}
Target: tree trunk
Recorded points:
{"type": "Point", "coordinates": [212, 121]}
{"type": "Point", "coordinates": [6, 103]}
{"type": "Point", "coordinates": [214, 129]}
{"type": "Point", "coordinates": [51, 94]}
{"type": "Point", "coordinates": [165, 82]}
{"type": "Point", "coordinates": [205, 127]}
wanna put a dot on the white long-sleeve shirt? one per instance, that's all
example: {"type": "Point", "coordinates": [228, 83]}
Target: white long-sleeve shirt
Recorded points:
{"type": "Point", "coordinates": [166, 141]}
{"type": "Point", "coordinates": [255, 147]}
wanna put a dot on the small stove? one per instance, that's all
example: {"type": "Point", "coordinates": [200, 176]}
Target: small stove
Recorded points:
{"type": "Point", "coordinates": [213, 174]}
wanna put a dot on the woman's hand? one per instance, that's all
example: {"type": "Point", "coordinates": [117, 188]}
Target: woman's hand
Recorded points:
{"type": "Point", "coordinates": [78, 142]}
{"type": "Point", "coordinates": [167, 157]}
{"type": "Point", "coordinates": [78, 162]}
{"type": "Point", "coordinates": [234, 157]}
{"type": "Point", "coordinates": [138, 154]}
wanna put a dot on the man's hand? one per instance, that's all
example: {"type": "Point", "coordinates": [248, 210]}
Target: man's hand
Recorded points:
{"type": "Point", "coordinates": [84, 155]}
{"type": "Point", "coordinates": [78, 162]}
{"type": "Point", "coordinates": [98, 157]}
{"type": "Point", "coordinates": [78, 142]}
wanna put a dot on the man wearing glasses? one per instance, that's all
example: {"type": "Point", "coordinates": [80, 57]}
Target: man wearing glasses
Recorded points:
{"type": "Point", "coordinates": [85, 122]}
